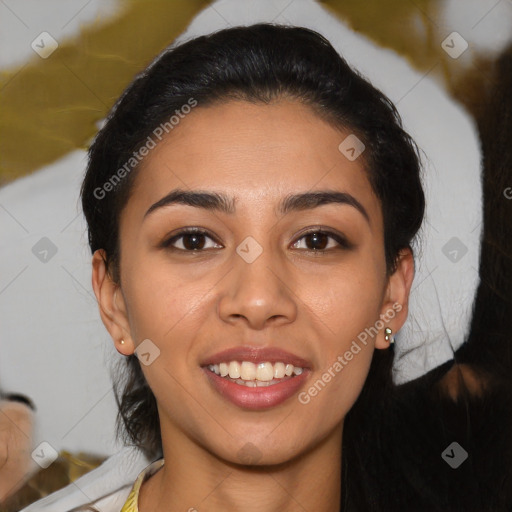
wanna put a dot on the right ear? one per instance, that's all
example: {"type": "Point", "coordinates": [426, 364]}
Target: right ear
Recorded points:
{"type": "Point", "coordinates": [111, 304]}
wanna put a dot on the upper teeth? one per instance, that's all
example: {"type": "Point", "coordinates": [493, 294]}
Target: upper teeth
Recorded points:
{"type": "Point", "coordinates": [250, 371]}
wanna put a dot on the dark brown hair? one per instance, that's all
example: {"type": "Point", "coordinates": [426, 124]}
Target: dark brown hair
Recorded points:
{"type": "Point", "coordinates": [260, 63]}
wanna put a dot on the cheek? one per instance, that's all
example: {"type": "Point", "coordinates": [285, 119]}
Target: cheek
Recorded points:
{"type": "Point", "coordinates": [345, 307]}
{"type": "Point", "coordinates": [161, 302]}
{"type": "Point", "coordinates": [329, 396]}
{"type": "Point", "coordinates": [166, 307]}
{"type": "Point", "coordinates": [346, 301]}
{"type": "Point", "coordinates": [335, 387]}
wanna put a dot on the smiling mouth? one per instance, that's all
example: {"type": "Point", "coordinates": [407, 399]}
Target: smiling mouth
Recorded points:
{"type": "Point", "coordinates": [249, 374]}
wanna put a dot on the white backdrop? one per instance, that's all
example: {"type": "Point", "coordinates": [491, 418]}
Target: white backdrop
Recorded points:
{"type": "Point", "coordinates": [53, 345]}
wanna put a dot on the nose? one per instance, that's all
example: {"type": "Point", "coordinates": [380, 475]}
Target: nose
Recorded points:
{"type": "Point", "coordinates": [258, 293]}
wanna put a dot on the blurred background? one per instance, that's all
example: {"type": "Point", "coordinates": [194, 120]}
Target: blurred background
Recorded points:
{"type": "Point", "coordinates": [62, 66]}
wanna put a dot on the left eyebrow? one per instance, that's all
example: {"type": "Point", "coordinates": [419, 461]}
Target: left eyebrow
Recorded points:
{"type": "Point", "coordinates": [310, 200]}
{"type": "Point", "coordinates": [296, 202]}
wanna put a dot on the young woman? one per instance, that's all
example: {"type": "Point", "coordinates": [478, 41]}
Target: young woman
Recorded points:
{"type": "Point", "coordinates": [252, 204]}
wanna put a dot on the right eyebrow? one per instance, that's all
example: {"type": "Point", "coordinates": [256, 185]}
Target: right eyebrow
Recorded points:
{"type": "Point", "coordinates": [294, 202]}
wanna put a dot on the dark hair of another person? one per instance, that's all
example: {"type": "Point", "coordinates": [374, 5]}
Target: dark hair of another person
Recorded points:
{"type": "Point", "coordinates": [261, 64]}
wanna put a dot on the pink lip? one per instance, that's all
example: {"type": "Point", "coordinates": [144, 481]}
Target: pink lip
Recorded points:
{"type": "Point", "coordinates": [256, 398]}
{"type": "Point", "coordinates": [257, 355]}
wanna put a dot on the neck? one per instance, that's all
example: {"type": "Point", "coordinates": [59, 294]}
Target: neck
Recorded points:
{"type": "Point", "coordinates": [194, 479]}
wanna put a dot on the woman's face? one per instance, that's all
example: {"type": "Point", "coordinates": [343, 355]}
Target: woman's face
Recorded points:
{"type": "Point", "coordinates": [253, 282]}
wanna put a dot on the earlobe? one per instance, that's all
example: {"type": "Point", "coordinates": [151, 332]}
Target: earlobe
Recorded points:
{"type": "Point", "coordinates": [396, 302]}
{"type": "Point", "coordinates": [111, 304]}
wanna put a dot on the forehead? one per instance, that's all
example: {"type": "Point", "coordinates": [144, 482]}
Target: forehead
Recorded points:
{"type": "Point", "coordinates": [256, 152]}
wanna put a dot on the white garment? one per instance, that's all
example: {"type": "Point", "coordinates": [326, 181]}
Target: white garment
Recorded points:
{"type": "Point", "coordinates": [107, 487]}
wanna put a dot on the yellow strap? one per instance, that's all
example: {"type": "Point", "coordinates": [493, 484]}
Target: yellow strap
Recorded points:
{"type": "Point", "coordinates": [131, 504]}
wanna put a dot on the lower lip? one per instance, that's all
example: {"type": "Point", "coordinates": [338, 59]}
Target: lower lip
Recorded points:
{"type": "Point", "coordinates": [256, 398]}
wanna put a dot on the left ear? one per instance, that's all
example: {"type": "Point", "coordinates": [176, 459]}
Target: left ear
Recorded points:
{"type": "Point", "coordinates": [395, 305]}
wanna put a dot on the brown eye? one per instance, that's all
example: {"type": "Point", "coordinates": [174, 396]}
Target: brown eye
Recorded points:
{"type": "Point", "coordinates": [322, 241]}
{"type": "Point", "coordinates": [317, 241]}
{"type": "Point", "coordinates": [191, 240]}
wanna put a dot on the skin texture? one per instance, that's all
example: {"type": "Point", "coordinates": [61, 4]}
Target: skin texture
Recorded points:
{"type": "Point", "coordinates": [16, 429]}
{"type": "Point", "coordinates": [194, 305]}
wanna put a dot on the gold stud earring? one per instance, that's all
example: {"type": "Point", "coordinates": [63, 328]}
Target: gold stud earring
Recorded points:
{"type": "Point", "coordinates": [387, 335]}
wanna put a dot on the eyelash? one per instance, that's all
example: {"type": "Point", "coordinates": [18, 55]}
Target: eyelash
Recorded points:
{"type": "Point", "coordinates": [342, 242]}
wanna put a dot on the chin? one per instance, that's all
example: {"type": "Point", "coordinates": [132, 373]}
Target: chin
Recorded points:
{"type": "Point", "coordinates": [259, 451]}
